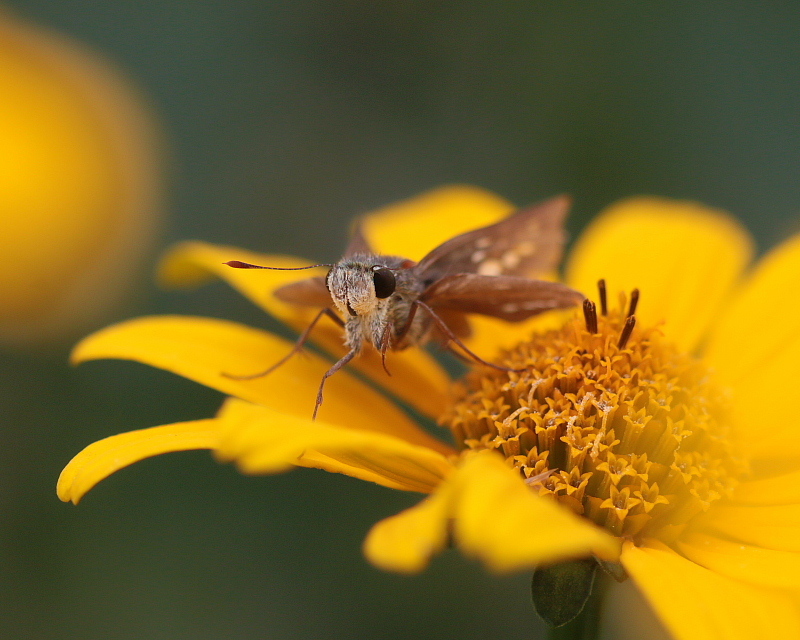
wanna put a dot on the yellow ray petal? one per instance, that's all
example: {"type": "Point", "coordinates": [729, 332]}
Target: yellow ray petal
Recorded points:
{"type": "Point", "coordinates": [263, 440]}
{"type": "Point", "coordinates": [202, 349]}
{"type": "Point", "coordinates": [191, 264]}
{"type": "Point", "coordinates": [102, 458]}
{"type": "Point", "coordinates": [495, 518]}
{"type": "Point", "coordinates": [684, 258]}
{"type": "Point", "coordinates": [405, 543]}
{"type": "Point", "coordinates": [772, 443]}
{"type": "Point", "coordinates": [765, 567]}
{"type": "Point", "coordinates": [490, 335]}
{"type": "Point", "coordinates": [501, 521]}
{"type": "Point", "coordinates": [338, 463]}
{"type": "Point", "coordinates": [782, 489]}
{"type": "Point", "coordinates": [772, 526]}
{"type": "Point", "coordinates": [698, 604]}
{"type": "Point", "coordinates": [411, 228]}
{"type": "Point", "coordinates": [762, 320]}
{"type": "Point", "coordinates": [416, 377]}
{"type": "Point", "coordinates": [756, 348]}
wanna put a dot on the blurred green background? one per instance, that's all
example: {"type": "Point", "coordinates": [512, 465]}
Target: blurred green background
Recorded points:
{"type": "Point", "coordinates": [283, 120]}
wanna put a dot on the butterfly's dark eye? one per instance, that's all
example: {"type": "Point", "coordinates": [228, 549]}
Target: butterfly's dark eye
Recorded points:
{"type": "Point", "coordinates": [384, 281]}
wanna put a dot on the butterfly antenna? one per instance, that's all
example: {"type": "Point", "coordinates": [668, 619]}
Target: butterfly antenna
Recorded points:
{"type": "Point", "coordinates": [238, 264]}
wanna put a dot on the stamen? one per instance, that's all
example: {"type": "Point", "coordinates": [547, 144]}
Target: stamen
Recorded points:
{"type": "Point", "coordinates": [601, 286]}
{"type": "Point", "coordinates": [627, 330]}
{"type": "Point", "coordinates": [634, 302]}
{"type": "Point", "coordinates": [590, 315]}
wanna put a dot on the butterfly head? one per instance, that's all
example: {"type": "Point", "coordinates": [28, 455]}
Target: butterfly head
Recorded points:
{"type": "Point", "coordinates": [360, 287]}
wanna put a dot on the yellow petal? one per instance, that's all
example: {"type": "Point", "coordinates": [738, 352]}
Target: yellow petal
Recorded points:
{"type": "Point", "coordinates": [772, 526]}
{"type": "Point", "coordinates": [361, 467]}
{"type": "Point", "coordinates": [416, 377]}
{"type": "Point", "coordinates": [684, 258]}
{"type": "Point", "coordinates": [772, 443]}
{"type": "Point", "coordinates": [756, 348]}
{"type": "Point", "coordinates": [765, 567]}
{"type": "Point", "coordinates": [494, 517]}
{"type": "Point", "coordinates": [263, 440]}
{"type": "Point", "coordinates": [411, 228]}
{"type": "Point", "coordinates": [80, 177]}
{"type": "Point", "coordinates": [782, 489]}
{"type": "Point", "coordinates": [501, 521]}
{"type": "Point", "coordinates": [102, 458]}
{"type": "Point", "coordinates": [698, 604]}
{"type": "Point", "coordinates": [203, 349]}
{"type": "Point", "coordinates": [490, 335]}
{"type": "Point", "coordinates": [190, 264]}
{"type": "Point", "coordinates": [405, 543]}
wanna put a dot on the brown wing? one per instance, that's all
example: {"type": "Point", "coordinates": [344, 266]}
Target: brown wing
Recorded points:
{"type": "Point", "coordinates": [358, 242]}
{"type": "Point", "coordinates": [511, 298]}
{"type": "Point", "coordinates": [310, 292]}
{"type": "Point", "coordinates": [526, 243]}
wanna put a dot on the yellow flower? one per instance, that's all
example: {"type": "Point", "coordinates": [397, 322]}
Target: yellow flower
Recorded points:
{"type": "Point", "coordinates": [668, 449]}
{"type": "Point", "coordinates": [79, 185]}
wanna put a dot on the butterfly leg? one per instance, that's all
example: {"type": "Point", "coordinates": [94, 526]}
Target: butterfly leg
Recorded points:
{"type": "Point", "coordinates": [298, 346]}
{"type": "Point", "coordinates": [347, 358]}
{"type": "Point", "coordinates": [412, 312]}
{"type": "Point", "coordinates": [454, 338]}
{"type": "Point", "coordinates": [386, 338]}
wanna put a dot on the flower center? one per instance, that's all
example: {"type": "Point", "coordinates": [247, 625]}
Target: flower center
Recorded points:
{"type": "Point", "coordinates": [610, 419]}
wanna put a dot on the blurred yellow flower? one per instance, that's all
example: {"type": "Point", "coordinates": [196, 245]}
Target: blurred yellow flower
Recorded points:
{"type": "Point", "coordinates": [78, 185]}
{"type": "Point", "coordinates": [663, 446]}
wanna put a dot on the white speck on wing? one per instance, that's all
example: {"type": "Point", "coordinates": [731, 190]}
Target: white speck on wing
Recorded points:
{"type": "Point", "coordinates": [490, 268]}
{"type": "Point", "coordinates": [478, 256]}
{"type": "Point", "coordinates": [532, 304]}
{"type": "Point", "coordinates": [510, 259]}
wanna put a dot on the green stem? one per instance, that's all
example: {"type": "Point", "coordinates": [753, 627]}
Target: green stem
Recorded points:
{"type": "Point", "coordinates": [586, 625]}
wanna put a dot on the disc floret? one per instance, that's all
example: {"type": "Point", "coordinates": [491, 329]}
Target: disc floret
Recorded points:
{"type": "Point", "coordinates": [610, 419]}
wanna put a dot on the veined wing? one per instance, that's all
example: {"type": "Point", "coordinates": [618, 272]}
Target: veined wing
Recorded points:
{"type": "Point", "coordinates": [510, 298]}
{"type": "Point", "coordinates": [310, 292]}
{"type": "Point", "coordinates": [527, 243]}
